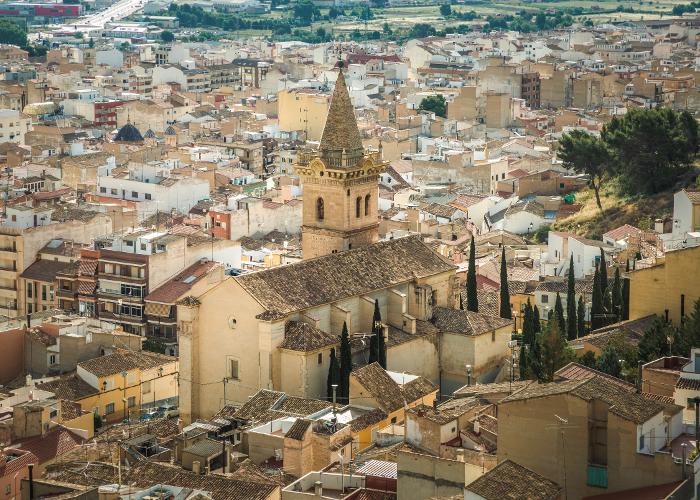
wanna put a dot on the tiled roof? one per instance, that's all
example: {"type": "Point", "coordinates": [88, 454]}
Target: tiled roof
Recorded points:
{"type": "Point", "coordinates": [693, 195]}
{"type": "Point", "coordinates": [303, 337]}
{"type": "Point", "coordinates": [121, 360]}
{"type": "Point", "coordinates": [51, 445]}
{"type": "Point", "coordinates": [379, 468]}
{"type": "Point", "coordinates": [688, 383]}
{"type": "Point", "coordinates": [72, 388]}
{"type": "Point", "coordinates": [70, 410]}
{"type": "Point", "coordinates": [622, 232]}
{"type": "Point", "coordinates": [262, 401]}
{"type": "Point", "coordinates": [496, 388]}
{"type": "Point", "coordinates": [367, 419]}
{"type": "Point", "coordinates": [467, 322]}
{"type": "Point", "coordinates": [532, 207]}
{"type": "Point", "coordinates": [146, 474]}
{"type": "Point", "coordinates": [630, 330]}
{"type": "Point", "coordinates": [298, 429]}
{"type": "Point", "coordinates": [302, 406]}
{"type": "Point", "coordinates": [509, 480]}
{"type": "Point", "coordinates": [14, 466]}
{"type": "Point", "coordinates": [44, 270]}
{"type": "Point", "coordinates": [386, 392]}
{"type": "Point", "coordinates": [553, 284]}
{"type": "Point", "coordinates": [172, 290]}
{"type": "Point", "coordinates": [576, 371]}
{"type": "Point", "coordinates": [439, 210]}
{"type": "Point", "coordinates": [341, 132]}
{"type": "Point", "coordinates": [312, 282]}
{"type": "Point", "coordinates": [623, 403]}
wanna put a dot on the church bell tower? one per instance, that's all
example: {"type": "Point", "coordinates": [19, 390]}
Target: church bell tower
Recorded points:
{"type": "Point", "coordinates": [341, 184]}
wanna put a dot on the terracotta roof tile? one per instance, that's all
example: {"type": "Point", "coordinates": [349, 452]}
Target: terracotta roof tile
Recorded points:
{"type": "Point", "coordinates": [121, 360]}
{"type": "Point", "coordinates": [312, 282]}
{"type": "Point", "coordinates": [302, 337]}
{"type": "Point", "coordinates": [389, 395]}
{"type": "Point", "coordinates": [173, 289]}
{"type": "Point", "coordinates": [51, 445]}
{"type": "Point", "coordinates": [44, 270]}
{"type": "Point", "coordinates": [467, 322]}
{"type": "Point", "coordinates": [509, 480]}
{"type": "Point", "coordinates": [298, 429]}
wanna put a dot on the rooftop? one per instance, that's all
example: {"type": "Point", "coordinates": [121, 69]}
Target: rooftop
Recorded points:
{"type": "Point", "coordinates": [509, 480]}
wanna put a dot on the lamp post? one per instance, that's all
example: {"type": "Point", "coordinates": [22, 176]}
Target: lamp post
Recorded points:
{"type": "Point", "coordinates": [469, 375]}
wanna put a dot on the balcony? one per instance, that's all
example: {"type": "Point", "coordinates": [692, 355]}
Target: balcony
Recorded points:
{"type": "Point", "coordinates": [122, 279]}
{"type": "Point", "coordinates": [112, 295]}
{"type": "Point", "coordinates": [597, 475]}
{"type": "Point", "coordinates": [65, 294]}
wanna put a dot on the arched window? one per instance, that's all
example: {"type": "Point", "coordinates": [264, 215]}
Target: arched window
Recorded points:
{"type": "Point", "coordinates": [358, 200]}
{"type": "Point", "coordinates": [367, 205]}
{"type": "Point", "coordinates": [319, 209]}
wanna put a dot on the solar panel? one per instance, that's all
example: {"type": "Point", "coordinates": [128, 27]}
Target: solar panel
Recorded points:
{"type": "Point", "coordinates": [189, 279]}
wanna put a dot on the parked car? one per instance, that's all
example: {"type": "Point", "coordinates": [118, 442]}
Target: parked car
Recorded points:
{"type": "Point", "coordinates": [169, 411]}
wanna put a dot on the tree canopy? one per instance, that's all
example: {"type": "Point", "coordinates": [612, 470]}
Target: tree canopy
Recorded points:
{"type": "Point", "coordinates": [586, 154]}
{"type": "Point", "coordinates": [12, 33]}
{"type": "Point", "coordinates": [435, 103]}
{"type": "Point", "coordinates": [167, 36]}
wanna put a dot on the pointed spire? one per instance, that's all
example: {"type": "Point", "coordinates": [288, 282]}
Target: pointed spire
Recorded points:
{"type": "Point", "coordinates": [341, 132]}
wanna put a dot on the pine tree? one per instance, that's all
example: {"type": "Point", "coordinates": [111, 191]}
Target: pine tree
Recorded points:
{"type": "Point", "coordinates": [559, 311]}
{"type": "Point", "coordinates": [345, 364]}
{"type": "Point", "coordinates": [597, 302]}
{"type": "Point", "coordinates": [616, 295]}
{"type": "Point", "coordinates": [581, 317]}
{"type": "Point", "coordinates": [505, 294]}
{"type": "Point", "coordinates": [571, 302]}
{"type": "Point", "coordinates": [333, 375]}
{"type": "Point", "coordinates": [603, 270]}
{"type": "Point", "coordinates": [472, 299]}
{"type": "Point", "coordinates": [553, 350]}
{"type": "Point", "coordinates": [536, 321]}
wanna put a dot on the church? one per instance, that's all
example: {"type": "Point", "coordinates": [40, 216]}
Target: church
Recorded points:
{"type": "Point", "coordinates": [274, 329]}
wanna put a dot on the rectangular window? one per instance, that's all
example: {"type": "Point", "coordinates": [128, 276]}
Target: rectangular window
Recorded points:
{"type": "Point", "coordinates": [52, 359]}
{"type": "Point", "coordinates": [147, 196]}
{"type": "Point", "coordinates": [641, 442]}
{"type": "Point", "coordinates": [113, 191]}
{"type": "Point", "coordinates": [233, 368]}
{"type": "Point", "coordinates": [109, 409]}
{"type": "Point", "coordinates": [146, 387]}
{"type": "Point", "coordinates": [131, 401]}
{"type": "Point", "coordinates": [30, 287]}
{"type": "Point", "coordinates": [103, 190]}
{"type": "Point", "coordinates": [545, 299]}
{"type": "Point", "coordinates": [320, 358]}
{"type": "Point", "coordinates": [43, 292]}
{"type": "Point", "coordinates": [30, 308]}
{"type": "Point", "coordinates": [134, 194]}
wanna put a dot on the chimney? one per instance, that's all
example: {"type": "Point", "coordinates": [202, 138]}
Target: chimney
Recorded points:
{"type": "Point", "coordinates": [659, 226]}
{"type": "Point", "coordinates": [318, 489]}
{"type": "Point", "coordinates": [196, 467]}
{"type": "Point", "coordinates": [477, 427]}
{"type": "Point", "coordinates": [31, 481]}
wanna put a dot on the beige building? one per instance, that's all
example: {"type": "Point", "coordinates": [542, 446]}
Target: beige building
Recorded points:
{"type": "Point", "coordinates": [303, 110]}
{"type": "Point", "coordinates": [590, 435]}
{"type": "Point", "coordinates": [22, 238]}
{"type": "Point", "coordinates": [13, 126]}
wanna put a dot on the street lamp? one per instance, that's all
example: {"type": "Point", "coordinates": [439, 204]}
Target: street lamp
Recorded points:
{"type": "Point", "coordinates": [469, 375]}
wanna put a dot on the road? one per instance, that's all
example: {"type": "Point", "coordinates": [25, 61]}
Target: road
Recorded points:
{"type": "Point", "coordinates": [118, 11]}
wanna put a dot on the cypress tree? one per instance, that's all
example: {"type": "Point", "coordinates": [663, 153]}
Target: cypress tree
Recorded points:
{"type": "Point", "coordinates": [571, 302]}
{"type": "Point", "coordinates": [374, 339]}
{"type": "Point", "coordinates": [535, 358]}
{"type": "Point", "coordinates": [553, 352]}
{"type": "Point", "coordinates": [581, 317]}
{"type": "Point", "coordinates": [528, 325]}
{"type": "Point", "coordinates": [379, 334]}
{"type": "Point", "coordinates": [461, 302]}
{"type": "Point", "coordinates": [597, 303]}
{"type": "Point", "coordinates": [559, 311]}
{"type": "Point", "coordinates": [333, 376]}
{"type": "Point", "coordinates": [472, 300]}
{"type": "Point", "coordinates": [345, 364]}
{"type": "Point", "coordinates": [522, 361]}
{"type": "Point", "coordinates": [625, 294]}
{"type": "Point", "coordinates": [603, 272]}
{"type": "Point", "coordinates": [616, 295]}
{"type": "Point", "coordinates": [505, 294]}
{"type": "Point", "coordinates": [607, 307]}
{"type": "Point", "coordinates": [536, 322]}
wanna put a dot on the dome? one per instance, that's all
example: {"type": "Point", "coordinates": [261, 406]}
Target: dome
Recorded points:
{"type": "Point", "coordinates": [170, 131]}
{"type": "Point", "coordinates": [150, 134]}
{"type": "Point", "coordinates": [128, 133]}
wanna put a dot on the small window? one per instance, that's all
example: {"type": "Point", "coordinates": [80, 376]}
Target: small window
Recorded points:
{"type": "Point", "coordinates": [493, 336]}
{"type": "Point", "coordinates": [320, 209]}
{"type": "Point", "coordinates": [113, 191]}
{"type": "Point", "coordinates": [545, 299]}
{"type": "Point", "coordinates": [233, 368]}
{"type": "Point", "coordinates": [52, 359]}
{"type": "Point", "coordinates": [109, 409]}
{"type": "Point", "coordinates": [134, 194]}
{"type": "Point", "coordinates": [131, 401]}
{"type": "Point", "coordinates": [8, 489]}
{"type": "Point", "coordinates": [358, 200]}
{"type": "Point", "coordinates": [320, 358]}
{"type": "Point", "coordinates": [393, 420]}
{"type": "Point", "coordinates": [367, 199]}
{"type": "Point", "coordinates": [641, 442]}
{"type": "Point", "coordinates": [147, 196]}
{"type": "Point", "coordinates": [30, 287]}
{"type": "Point", "coordinates": [146, 387]}
{"type": "Point", "coordinates": [103, 190]}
